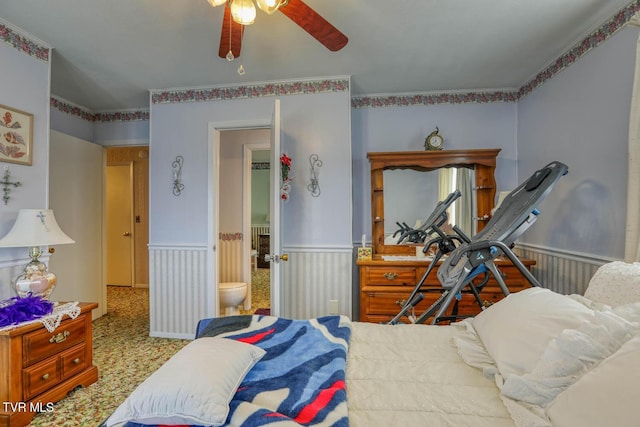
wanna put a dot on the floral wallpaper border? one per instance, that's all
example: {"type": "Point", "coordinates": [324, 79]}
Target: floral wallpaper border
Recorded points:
{"type": "Point", "coordinates": [122, 116]}
{"type": "Point", "coordinates": [432, 99]}
{"type": "Point", "coordinates": [250, 91]}
{"type": "Point", "coordinates": [23, 44]}
{"type": "Point", "coordinates": [116, 116]}
{"type": "Point", "coordinates": [593, 40]}
{"type": "Point", "coordinates": [230, 236]}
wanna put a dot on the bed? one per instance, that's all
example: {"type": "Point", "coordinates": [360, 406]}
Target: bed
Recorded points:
{"type": "Point", "coordinates": [536, 358]}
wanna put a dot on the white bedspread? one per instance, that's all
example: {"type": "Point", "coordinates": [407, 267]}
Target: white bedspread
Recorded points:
{"type": "Point", "coordinates": [412, 375]}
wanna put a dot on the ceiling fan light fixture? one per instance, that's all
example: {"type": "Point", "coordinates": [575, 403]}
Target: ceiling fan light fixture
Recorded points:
{"type": "Point", "coordinates": [243, 12]}
{"type": "Point", "coordinates": [215, 3]}
{"type": "Point", "coordinates": [270, 6]}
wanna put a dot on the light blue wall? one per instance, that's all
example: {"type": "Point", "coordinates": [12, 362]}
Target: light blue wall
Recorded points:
{"type": "Point", "coordinates": [314, 123]}
{"type": "Point", "coordinates": [260, 185]}
{"type": "Point", "coordinates": [405, 128]}
{"type": "Point", "coordinates": [25, 86]}
{"type": "Point", "coordinates": [231, 195]}
{"type": "Point", "coordinates": [581, 117]}
{"type": "Point", "coordinates": [72, 125]}
{"type": "Point", "coordinates": [113, 134]}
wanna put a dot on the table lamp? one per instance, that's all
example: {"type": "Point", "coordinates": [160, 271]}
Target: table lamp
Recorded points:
{"type": "Point", "coordinates": [35, 228]}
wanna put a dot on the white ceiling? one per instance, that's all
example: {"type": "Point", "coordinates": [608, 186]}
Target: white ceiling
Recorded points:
{"type": "Point", "coordinates": [109, 53]}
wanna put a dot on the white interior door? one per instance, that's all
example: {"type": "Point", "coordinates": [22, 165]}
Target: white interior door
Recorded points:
{"type": "Point", "coordinates": [118, 225]}
{"type": "Point", "coordinates": [275, 245]}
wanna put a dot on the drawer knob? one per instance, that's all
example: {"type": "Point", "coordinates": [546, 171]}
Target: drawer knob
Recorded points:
{"type": "Point", "coordinates": [390, 276]}
{"type": "Point", "coordinates": [58, 338]}
{"type": "Point", "coordinates": [487, 303]}
{"type": "Point", "coordinates": [45, 377]}
{"type": "Point", "coordinates": [76, 361]}
{"type": "Point", "coordinates": [401, 302]}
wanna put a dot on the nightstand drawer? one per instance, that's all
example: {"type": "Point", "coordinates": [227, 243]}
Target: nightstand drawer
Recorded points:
{"type": "Point", "coordinates": [391, 276]}
{"type": "Point", "coordinates": [73, 360]}
{"type": "Point", "coordinates": [42, 344]}
{"type": "Point", "coordinates": [41, 377]}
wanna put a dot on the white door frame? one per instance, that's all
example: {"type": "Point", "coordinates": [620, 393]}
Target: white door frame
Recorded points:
{"type": "Point", "coordinates": [214, 133]}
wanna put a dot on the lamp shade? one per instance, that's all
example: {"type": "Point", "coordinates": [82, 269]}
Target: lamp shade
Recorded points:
{"type": "Point", "coordinates": [243, 12]}
{"type": "Point", "coordinates": [35, 227]}
{"type": "Point", "coordinates": [270, 6]}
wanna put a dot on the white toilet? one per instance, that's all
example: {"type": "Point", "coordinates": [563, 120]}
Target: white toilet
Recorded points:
{"type": "Point", "coordinates": [232, 294]}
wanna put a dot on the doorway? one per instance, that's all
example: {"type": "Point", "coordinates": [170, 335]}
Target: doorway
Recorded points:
{"type": "Point", "coordinates": [243, 214]}
{"type": "Point", "coordinates": [126, 212]}
{"type": "Point", "coordinates": [216, 185]}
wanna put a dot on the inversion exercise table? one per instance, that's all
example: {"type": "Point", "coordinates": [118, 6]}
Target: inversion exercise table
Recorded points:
{"type": "Point", "coordinates": [513, 217]}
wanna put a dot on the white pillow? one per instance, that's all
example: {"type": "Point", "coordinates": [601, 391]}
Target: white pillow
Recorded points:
{"type": "Point", "coordinates": [569, 356]}
{"type": "Point", "coordinates": [615, 283]}
{"type": "Point", "coordinates": [604, 396]}
{"type": "Point", "coordinates": [195, 386]}
{"type": "Point", "coordinates": [516, 330]}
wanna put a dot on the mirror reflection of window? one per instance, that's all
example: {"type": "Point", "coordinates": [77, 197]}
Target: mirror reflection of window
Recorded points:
{"type": "Point", "coordinates": [461, 212]}
{"type": "Point", "coordinates": [410, 196]}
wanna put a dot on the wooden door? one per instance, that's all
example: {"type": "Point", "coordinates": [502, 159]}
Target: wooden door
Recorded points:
{"type": "Point", "coordinates": [119, 211]}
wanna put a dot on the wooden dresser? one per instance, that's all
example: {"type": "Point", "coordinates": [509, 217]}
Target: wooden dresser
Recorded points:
{"type": "Point", "coordinates": [385, 286]}
{"type": "Point", "coordinates": [38, 367]}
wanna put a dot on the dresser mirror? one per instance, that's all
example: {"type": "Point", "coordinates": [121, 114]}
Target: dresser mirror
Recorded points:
{"type": "Point", "coordinates": [406, 186]}
{"type": "Point", "coordinates": [410, 196]}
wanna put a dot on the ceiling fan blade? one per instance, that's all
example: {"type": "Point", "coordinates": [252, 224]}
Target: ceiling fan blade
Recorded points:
{"type": "Point", "coordinates": [230, 31]}
{"type": "Point", "coordinates": [314, 24]}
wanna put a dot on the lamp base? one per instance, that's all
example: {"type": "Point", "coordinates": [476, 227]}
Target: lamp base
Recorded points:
{"type": "Point", "coordinates": [35, 280]}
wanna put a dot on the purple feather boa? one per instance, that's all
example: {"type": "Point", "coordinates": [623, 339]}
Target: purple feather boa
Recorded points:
{"type": "Point", "coordinates": [18, 310]}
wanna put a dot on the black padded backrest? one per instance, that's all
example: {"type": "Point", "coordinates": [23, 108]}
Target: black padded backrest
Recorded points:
{"type": "Point", "coordinates": [520, 203]}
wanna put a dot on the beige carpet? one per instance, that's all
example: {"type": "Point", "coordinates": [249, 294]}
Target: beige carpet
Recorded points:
{"type": "Point", "coordinates": [125, 355]}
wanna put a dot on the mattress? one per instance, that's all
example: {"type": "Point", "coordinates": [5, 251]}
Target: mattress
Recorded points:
{"type": "Point", "coordinates": [413, 375]}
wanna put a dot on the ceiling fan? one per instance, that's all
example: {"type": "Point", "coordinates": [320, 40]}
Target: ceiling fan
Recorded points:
{"type": "Point", "coordinates": [239, 13]}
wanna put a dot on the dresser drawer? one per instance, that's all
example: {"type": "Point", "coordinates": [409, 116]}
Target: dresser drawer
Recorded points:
{"type": "Point", "coordinates": [41, 377]}
{"type": "Point", "coordinates": [391, 276]}
{"type": "Point", "coordinates": [388, 303]}
{"type": "Point", "coordinates": [42, 344]}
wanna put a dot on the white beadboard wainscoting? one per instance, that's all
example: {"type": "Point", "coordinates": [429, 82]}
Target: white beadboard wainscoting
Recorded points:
{"type": "Point", "coordinates": [178, 290]}
{"type": "Point", "coordinates": [231, 260]}
{"type": "Point", "coordinates": [312, 278]}
{"type": "Point", "coordinates": [179, 294]}
{"type": "Point", "coordinates": [562, 271]}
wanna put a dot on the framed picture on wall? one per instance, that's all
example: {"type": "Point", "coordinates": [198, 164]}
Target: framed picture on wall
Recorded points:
{"type": "Point", "coordinates": [16, 133]}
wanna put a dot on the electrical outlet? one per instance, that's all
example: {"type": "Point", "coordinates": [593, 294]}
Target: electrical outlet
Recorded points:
{"type": "Point", "coordinates": [334, 306]}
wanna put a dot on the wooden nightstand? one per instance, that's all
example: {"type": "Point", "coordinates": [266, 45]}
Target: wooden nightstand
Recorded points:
{"type": "Point", "coordinates": [38, 367]}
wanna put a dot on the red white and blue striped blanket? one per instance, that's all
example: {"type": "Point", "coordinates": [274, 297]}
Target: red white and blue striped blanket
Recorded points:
{"type": "Point", "coordinates": [300, 381]}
